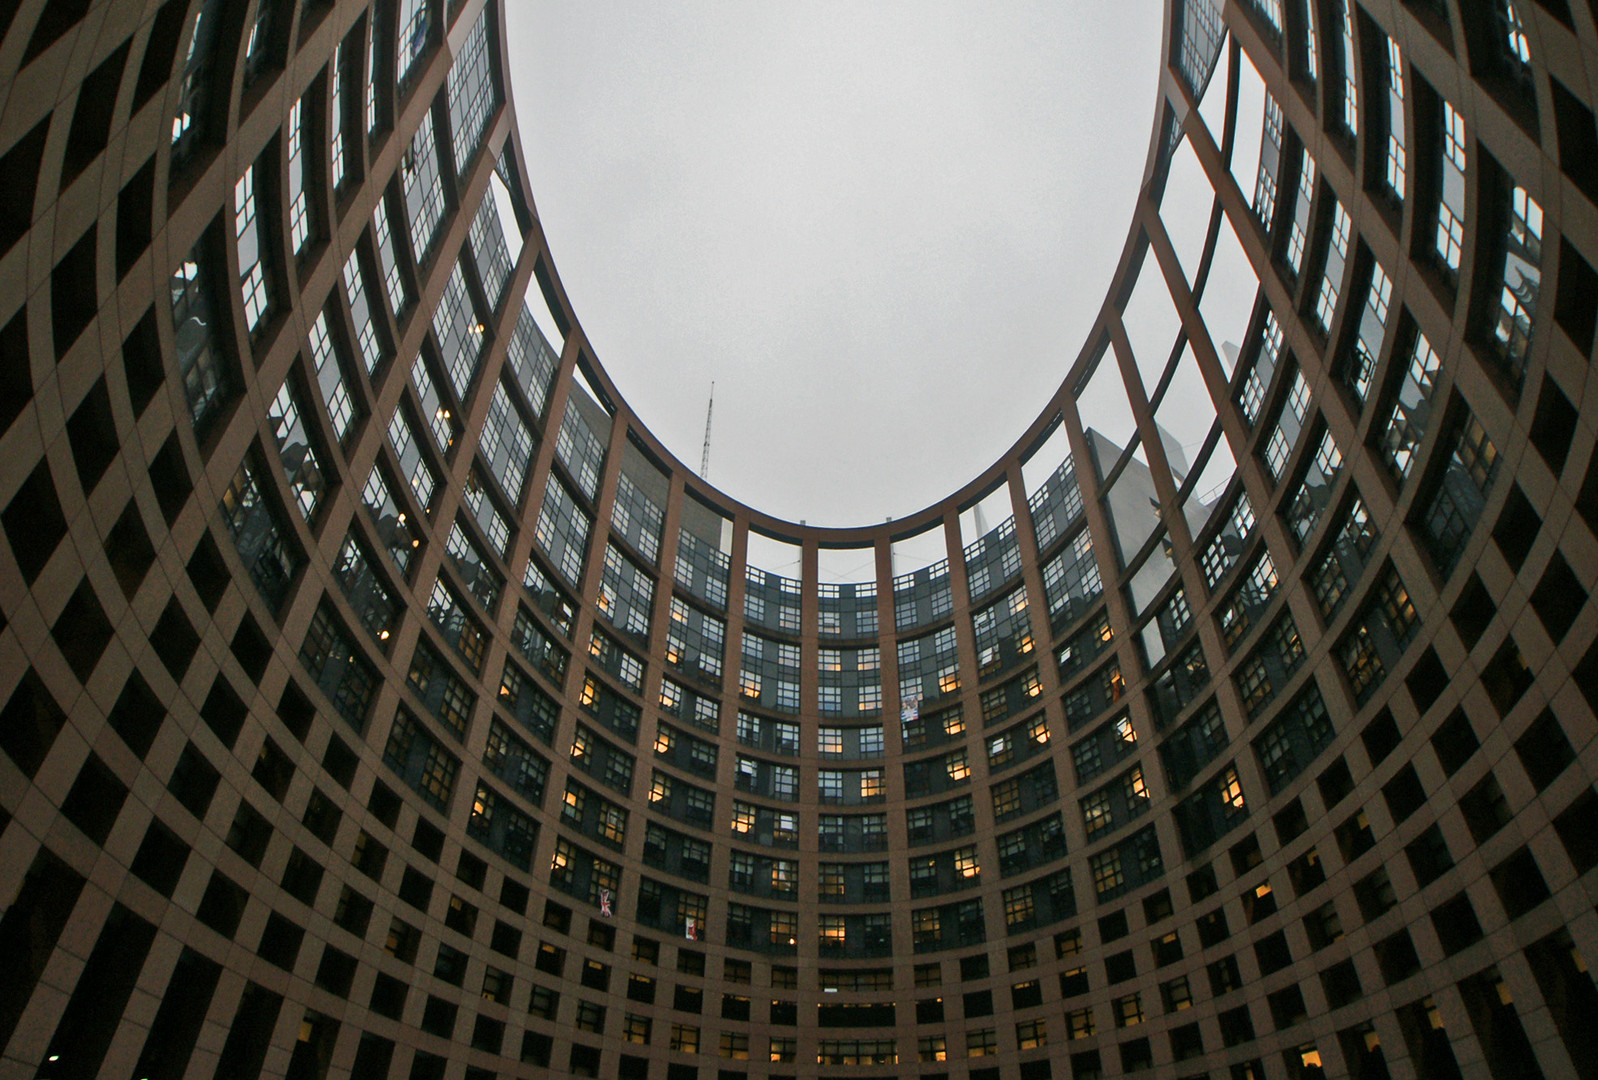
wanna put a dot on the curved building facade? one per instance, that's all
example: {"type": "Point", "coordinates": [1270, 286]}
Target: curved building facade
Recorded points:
{"type": "Point", "coordinates": [378, 697]}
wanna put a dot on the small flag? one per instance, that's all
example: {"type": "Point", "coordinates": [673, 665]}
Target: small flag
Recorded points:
{"type": "Point", "coordinates": [604, 902]}
{"type": "Point", "coordinates": [691, 929]}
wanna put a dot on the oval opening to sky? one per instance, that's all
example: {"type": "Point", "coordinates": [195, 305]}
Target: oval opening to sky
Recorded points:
{"type": "Point", "coordinates": [882, 230]}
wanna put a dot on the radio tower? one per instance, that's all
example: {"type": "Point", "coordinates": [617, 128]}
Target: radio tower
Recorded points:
{"type": "Point", "coordinates": [704, 456]}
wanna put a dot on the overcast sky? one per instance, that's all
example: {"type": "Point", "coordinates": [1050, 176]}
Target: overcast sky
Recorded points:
{"type": "Point", "coordinates": [863, 221]}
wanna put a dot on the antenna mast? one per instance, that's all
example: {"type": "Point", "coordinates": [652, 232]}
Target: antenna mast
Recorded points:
{"type": "Point", "coordinates": [704, 457]}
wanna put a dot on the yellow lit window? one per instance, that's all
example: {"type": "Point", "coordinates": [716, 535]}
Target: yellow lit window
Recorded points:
{"type": "Point", "coordinates": [1232, 790]}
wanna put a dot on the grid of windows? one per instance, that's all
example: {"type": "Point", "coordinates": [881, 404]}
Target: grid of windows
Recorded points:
{"type": "Point", "coordinates": [323, 576]}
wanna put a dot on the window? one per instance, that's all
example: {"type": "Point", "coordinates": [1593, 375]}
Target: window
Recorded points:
{"type": "Point", "coordinates": [872, 788]}
{"type": "Point", "coordinates": [1360, 364]}
{"type": "Point", "coordinates": [1006, 798]}
{"type": "Point", "coordinates": [830, 885]}
{"type": "Point", "coordinates": [1175, 994]}
{"type": "Point", "coordinates": [981, 1043]}
{"type": "Point", "coordinates": [636, 1029]}
{"type": "Point", "coordinates": [1259, 374]}
{"type": "Point", "coordinates": [784, 878]}
{"type": "Point", "coordinates": [1350, 65]}
{"type": "Point", "coordinates": [1516, 48]}
{"type": "Point", "coordinates": [562, 530]}
{"type": "Point", "coordinates": [784, 782]}
{"type": "Point", "coordinates": [1107, 871]}
{"type": "Point", "coordinates": [1298, 236]}
{"type": "Point", "coordinates": [424, 188]}
{"type": "Point", "coordinates": [188, 125]}
{"type": "Point", "coordinates": [1410, 409]}
{"type": "Point", "coordinates": [833, 932]}
{"type": "Point", "coordinates": [252, 249]}
{"type": "Point", "coordinates": [471, 95]}
{"type": "Point", "coordinates": [1451, 202]}
{"type": "Point", "coordinates": [1096, 812]}
{"type": "Point", "coordinates": [590, 1017]}
{"type": "Point", "coordinates": [1522, 275]}
{"type": "Point", "coordinates": [1019, 909]}
{"type": "Point", "coordinates": [1396, 156]}
{"type": "Point", "coordinates": [1336, 260]}
{"type": "Point", "coordinates": [1396, 607]}
{"type": "Point", "coordinates": [544, 1001]}
{"type": "Point", "coordinates": [205, 374]}
{"type": "Point", "coordinates": [1451, 514]}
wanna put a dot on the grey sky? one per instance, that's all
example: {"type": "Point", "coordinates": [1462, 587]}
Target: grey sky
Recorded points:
{"type": "Point", "coordinates": [860, 220]}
